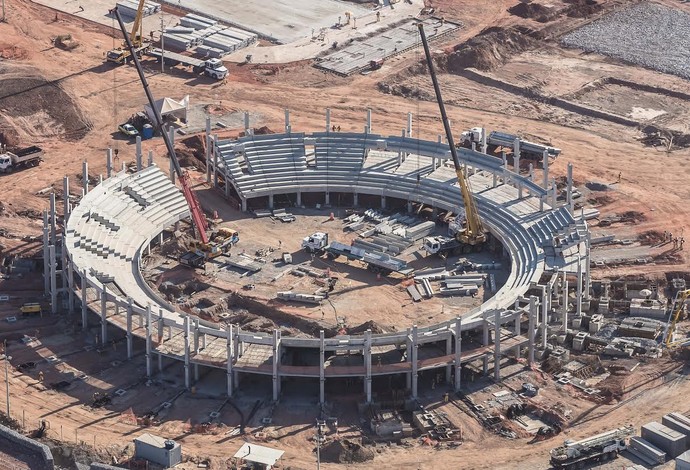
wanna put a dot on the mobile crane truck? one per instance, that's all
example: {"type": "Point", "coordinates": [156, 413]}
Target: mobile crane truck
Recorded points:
{"type": "Point", "coordinates": [604, 446]}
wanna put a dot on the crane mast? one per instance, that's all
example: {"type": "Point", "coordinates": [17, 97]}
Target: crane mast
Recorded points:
{"type": "Point", "coordinates": [473, 233]}
{"type": "Point", "coordinates": [198, 217]}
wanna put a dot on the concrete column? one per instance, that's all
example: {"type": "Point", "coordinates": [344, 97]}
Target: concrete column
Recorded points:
{"type": "Point", "coordinates": [209, 146]}
{"type": "Point", "coordinates": [516, 331]}
{"type": "Point", "coordinates": [383, 202]}
{"type": "Point", "coordinates": [578, 300]}
{"type": "Point", "coordinates": [100, 179]}
{"type": "Point", "coordinates": [104, 313]}
{"type": "Point", "coordinates": [270, 200]}
{"type": "Point", "coordinates": [172, 170]}
{"type": "Point", "coordinates": [196, 336]}
{"type": "Point", "coordinates": [322, 372]}
{"type": "Point", "coordinates": [276, 362]}
{"type": "Point", "coordinates": [187, 359]}
{"type": "Point", "coordinates": [85, 176]}
{"type": "Point", "coordinates": [328, 119]}
{"type": "Point", "coordinates": [53, 280]}
{"type": "Point", "coordinates": [159, 325]}
{"type": "Point", "coordinates": [505, 167]}
{"type": "Point", "coordinates": [497, 346]}
{"type": "Point", "coordinates": [449, 352]}
{"type": "Point", "coordinates": [299, 198]}
{"type": "Point", "coordinates": [108, 162]}
{"type": "Point", "coordinates": [53, 220]}
{"type": "Point", "coordinates": [409, 124]}
{"type": "Point", "coordinates": [367, 365]}
{"type": "Point", "coordinates": [485, 342]}
{"type": "Point", "coordinates": [149, 369]}
{"type": "Point", "coordinates": [554, 192]}
{"type": "Point", "coordinates": [84, 299]}
{"type": "Point", "coordinates": [215, 162]}
{"type": "Point", "coordinates": [414, 360]}
{"type": "Point", "coordinates": [400, 152]}
{"type": "Point", "coordinates": [588, 279]}
{"type": "Point", "coordinates": [355, 198]}
{"type": "Point", "coordinates": [483, 146]}
{"type": "Point", "coordinates": [531, 327]}
{"type": "Point", "coordinates": [150, 162]}
{"type": "Point", "coordinates": [368, 120]}
{"type": "Point", "coordinates": [408, 355]}
{"type": "Point", "coordinates": [545, 164]}
{"type": "Point", "coordinates": [65, 198]}
{"type": "Point", "coordinates": [246, 123]}
{"type": "Point", "coordinates": [130, 307]}
{"type": "Point", "coordinates": [458, 354]}
{"type": "Point", "coordinates": [495, 182]}
{"type": "Point", "coordinates": [571, 201]}
{"type": "Point", "coordinates": [46, 253]}
{"type": "Point", "coordinates": [565, 303]}
{"type": "Point", "coordinates": [196, 372]}
{"type": "Point", "coordinates": [545, 307]}
{"type": "Point", "coordinates": [531, 172]}
{"type": "Point", "coordinates": [139, 155]}
{"type": "Point", "coordinates": [229, 348]}
{"type": "Point", "coordinates": [70, 285]}
{"type": "Point", "coordinates": [409, 206]}
{"type": "Point", "coordinates": [160, 362]}
{"type": "Point", "coordinates": [287, 121]}
{"type": "Point", "coordinates": [327, 200]}
{"type": "Point", "coordinates": [516, 164]}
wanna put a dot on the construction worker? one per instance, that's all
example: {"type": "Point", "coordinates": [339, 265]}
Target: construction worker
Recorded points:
{"type": "Point", "coordinates": [378, 16]}
{"type": "Point", "coordinates": [40, 376]}
{"type": "Point", "coordinates": [619, 176]}
{"type": "Point", "coordinates": [446, 397]}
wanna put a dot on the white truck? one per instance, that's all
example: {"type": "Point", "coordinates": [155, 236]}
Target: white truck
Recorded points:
{"type": "Point", "coordinates": [22, 158]}
{"type": "Point", "coordinates": [604, 446]}
{"type": "Point", "coordinates": [213, 68]}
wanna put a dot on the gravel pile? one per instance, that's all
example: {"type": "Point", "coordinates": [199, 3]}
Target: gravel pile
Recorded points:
{"type": "Point", "coordinates": [645, 34]}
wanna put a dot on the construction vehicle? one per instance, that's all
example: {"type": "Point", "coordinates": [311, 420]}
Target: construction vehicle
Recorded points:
{"type": "Point", "coordinates": [219, 241]}
{"type": "Point", "coordinates": [31, 308]}
{"type": "Point", "coordinates": [442, 246]}
{"type": "Point", "coordinates": [472, 233]}
{"type": "Point", "coordinates": [140, 45]}
{"type": "Point", "coordinates": [65, 42]}
{"type": "Point", "coordinates": [376, 262]}
{"type": "Point", "coordinates": [22, 158]}
{"type": "Point", "coordinates": [604, 446]}
{"type": "Point", "coordinates": [213, 68]}
{"type": "Point", "coordinates": [674, 316]}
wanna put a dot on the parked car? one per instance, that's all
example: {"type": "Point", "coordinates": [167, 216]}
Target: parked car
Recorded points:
{"type": "Point", "coordinates": [128, 130]}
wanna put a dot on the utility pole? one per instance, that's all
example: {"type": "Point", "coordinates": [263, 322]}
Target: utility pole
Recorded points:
{"type": "Point", "coordinates": [162, 45]}
{"type": "Point", "coordinates": [7, 360]}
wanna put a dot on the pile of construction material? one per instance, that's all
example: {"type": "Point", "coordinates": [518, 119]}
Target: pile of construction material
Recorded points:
{"type": "Point", "coordinates": [130, 8]}
{"type": "Point", "coordinates": [670, 438]}
{"type": "Point", "coordinates": [450, 283]}
{"type": "Point", "coordinates": [391, 234]}
{"type": "Point", "coordinates": [208, 37]}
{"type": "Point", "coordinates": [298, 297]}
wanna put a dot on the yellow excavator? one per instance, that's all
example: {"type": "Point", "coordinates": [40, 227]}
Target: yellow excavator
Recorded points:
{"type": "Point", "coordinates": [472, 233]}
{"type": "Point", "coordinates": [122, 54]}
{"type": "Point", "coordinates": [676, 311]}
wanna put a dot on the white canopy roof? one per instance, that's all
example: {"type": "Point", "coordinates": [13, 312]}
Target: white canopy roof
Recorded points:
{"type": "Point", "coordinates": [168, 106]}
{"type": "Point", "coordinates": [259, 454]}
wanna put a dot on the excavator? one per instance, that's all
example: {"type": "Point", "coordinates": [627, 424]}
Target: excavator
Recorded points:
{"type": "Point", "coordinates": [208, 244]}
{"type": "Point", "coordinates": [122, 54]}
{"type": "Point", "coordinates": [676, 311]}
{"type": "Point", "coordinates": [472, 234]}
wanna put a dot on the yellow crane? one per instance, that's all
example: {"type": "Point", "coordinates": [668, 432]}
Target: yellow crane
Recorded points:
{"type": "Point", "coordinates": [676, 310]}
{"type": "Point", "coordinates": [136, 36]}
{"type": "Point", "coordinates": [473, 232]}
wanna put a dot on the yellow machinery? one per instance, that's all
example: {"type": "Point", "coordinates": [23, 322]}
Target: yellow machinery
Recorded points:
{"type": "Point", "coordinates": [473, 233]}
{"type": "Point", "coordinates": [676, 311]}
{"type": "Point", "coordinates": [219, 243]}
{"type": "Point", "coordinates": [122, 53]}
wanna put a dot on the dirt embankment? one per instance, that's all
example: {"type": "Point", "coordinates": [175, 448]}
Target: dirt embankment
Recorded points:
{"type": "Point", "coordinates": [489, 49]}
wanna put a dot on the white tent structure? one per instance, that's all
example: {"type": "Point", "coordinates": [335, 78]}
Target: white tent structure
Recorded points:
{"type": "Point", "coordinates": [259, 454]}
{"type": "Point", "coordinates": [168, 107]}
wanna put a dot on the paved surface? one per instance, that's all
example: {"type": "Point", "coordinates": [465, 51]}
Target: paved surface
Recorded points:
{"type": "Point", "coordinates": [283, 20]}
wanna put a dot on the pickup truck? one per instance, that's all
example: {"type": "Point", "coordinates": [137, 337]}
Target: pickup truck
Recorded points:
{"type": "Point", "coordinates": [22, 158]}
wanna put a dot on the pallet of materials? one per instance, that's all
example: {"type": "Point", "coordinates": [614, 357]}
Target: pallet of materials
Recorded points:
{"type": "Point", "coordinates": [244, 264]}
{"type": "Point", "coordinates": [298, 297]}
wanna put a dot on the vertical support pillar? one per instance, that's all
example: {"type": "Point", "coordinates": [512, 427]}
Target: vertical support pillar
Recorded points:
{"type": "Point", "coordinates": [85, 176]}
{"type": "Point", "coordinates": [554, 191]}
{"type": "Point", "coordinates": [196, 372]}
{"type": "Point", "coordinates": [408, 355]}
{"type": "Point", "coordinates": [368, 128]}
{"type": "Point", "coordinates": [171, 136]}
{"type": "Point", "coordinates": [588, 279]}
{"type": "Point", "coordinates": [578, 300]}
{"type": "Point", "coordinates": [571, 202]}
{"type": "Point", "coordinates": [84, 299]}
{"type": "Point", "coordinates": [531, 326]}
{"type": "Point", "coordinates": [545, 165]}
{"type": "Point", "coordinates": [53, 280]}
{"type": "Point", "coordinates": [46, 253]}
{"type": "Point", "coordinates": [53, 220]}
{"type": "Point", "coordinates": [322, 374]}
{"type": "Point", "coordinates": [485, 342]}
{"type": "Point", "coordinates": [449, 352]}
{"type": "Point", "coordinates": [516, 330]}
{"type": "Point", "coordinates": [150, 162]}
{"type": "Point", "coordinates": [104, 312]}
{"type": "Point", "coordinates": [246, 123]}
{"type": "Point", "coordinates": [505, 167]}
{"type": "Point", "coordinates": [65, 198]}
{"type": "Point", "coordinates": [299, 198]}
{"type": "Point", "coordinates": [70, 284]}
{"type": "Point", "coordinates": [414, 360]}
{"type": "Point", "coordinates": [149, 371]}
{"type": "Point", "coordinates": [229, 349]}
{"type": "Point", "coordinates": [516, 164]}
{"type": "Point", "coordinates": [565, 303]}
{"type": "Point", "coordinates": [209, 146]}
{"type": "Point", "coordinates": [409, 124]}
{"type": "Point", "coordinates": [458, 354]}
{"type": "Point", "coordinates": [497, 346]}
{"type": "Point", "coordinates": [531, 172]}
{"type": "Point", "coordinates": [270, 200]}
{"type": "Point", "coordinates": [187, 359]}
{"type": "Point", "coordinates": [108, 162]}
{"type": "Point", "coordinates": [545, 307]}
{"type": "Point", "coordinates": [196, 335]}
{"type": "Point", "coordinates": [139, 155]}
{"type": "Point", "coordinates": [355, 198]}
{"type": "Point", "coordinates": [328, 119]}
{"type": "Point", "coordinates": [215, 163]}
{"type": "Point", "coordinates": [172, 171]}
{"type": "Point", "coordinates": [276, 362]}
{"type": "Point", "coordinates": [287, 121]}
{"type": "Point", "coordinates": [130, 307]}
{"type": "Point", "coordinates": [409, 206]}
{"type": "Point", "coordinates": [483, 147]}
{"type": "Point", "coordinates": [383, 202]}
{"type": "Point", "coordinates": [327, 199]}
{"type": "Point", "coordinates": [367, 365]}
{"type": "Point", "coordinates": [400, 152]}
{"type": "Point", "coordinates": [160, 362]}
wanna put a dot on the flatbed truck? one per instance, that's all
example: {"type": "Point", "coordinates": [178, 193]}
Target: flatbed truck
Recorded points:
{"type": "Point", "coordinates": [213, 68]}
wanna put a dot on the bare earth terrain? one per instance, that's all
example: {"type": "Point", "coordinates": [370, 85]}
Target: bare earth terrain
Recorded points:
{"type": "Point", "coordinates": [70, 103]}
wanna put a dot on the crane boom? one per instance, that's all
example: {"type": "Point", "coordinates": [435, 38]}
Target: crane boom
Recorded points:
{"type": "Point", "coordinates": [194, 207]}
{"type": "Point", "coordinates": [474, 233]}
{"type": "Point", "coordinates": [138, 24]}
{"type": "Point", "coordinates": [674, 315]}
